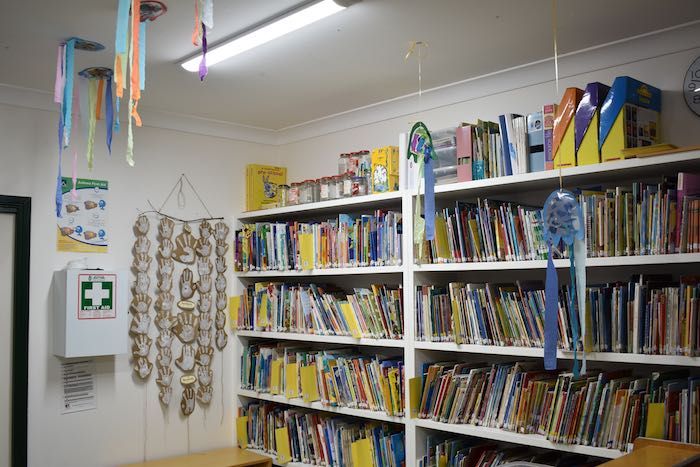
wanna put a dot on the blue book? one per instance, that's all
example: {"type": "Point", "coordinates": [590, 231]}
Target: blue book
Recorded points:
{"type": "Point", "coordinates": [505, 145]}
{"type": "Point", "coordinates": [397, 448]}
{"type": "Point", "coordinates": [535, 137]}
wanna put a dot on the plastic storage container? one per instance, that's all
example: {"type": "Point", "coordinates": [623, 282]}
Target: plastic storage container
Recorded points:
{"type": "Point", "coordinates": [343, 163]}
{"type": "Point", "coordinates": [293, 194]}
{"type": "Point", "coordinates": [283, 195]}
{"type": "Point", "coordinates": [324, 188]}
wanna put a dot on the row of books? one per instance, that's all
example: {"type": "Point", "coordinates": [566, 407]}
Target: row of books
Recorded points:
{"type": "Point", "coordinates": [647, 315]}
{"type": "Point", "coordinates": [337, 378]}
{"type": "Point", "coordinates": [345, 241]}
{"type": "Point", "coordinates": [641, 219]}
{"type": "Point", "coordinates": [374, 312]}
{"type": "Point", "coordinates": [320, 439]}
{"type": "Point", "coordinates": [602, 408]}
{"type": "Point", "coordinates": [450, 451]}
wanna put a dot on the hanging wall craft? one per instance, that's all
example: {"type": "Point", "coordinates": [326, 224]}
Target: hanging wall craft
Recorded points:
{"type": "Point", "coordinates": [67, 99]}
{"type": "Point", "coordinates": [190, 297]}
{"type": "Point", "coordinates": [99, 85]}
{"type": "Point", "coordinates": [420, 148]}
{"type": "Point", "coordinates": [203, 19]}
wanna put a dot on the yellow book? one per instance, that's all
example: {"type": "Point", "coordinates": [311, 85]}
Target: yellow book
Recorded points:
{"type": "Point", "coordinates": [276, 377]}
{"type": "Point", "coordinates": [415, 387]}
{"type": "Point", "coordinates": [262, 311]}
{"type": "Point", "coordinates": [242, 431]}
{"type": "Point", "coordinates": [655, 421]}
{"type": "Point", "coordinates": [456, 323]}
{"type": "Point", "coordinates": [306, 250]}
{"type": "Point", "coordinates": [361, 451]}
{"type": "Point", "coordinates": [349, 315]}
{"type": "Point", "coordinates": [441, 241]}
{"type": "Point", "coordinates": [284, 452]}
{"type": "Point", "coordinates": [442, 461]}
{"type": "Point", "coordinates": [385, 169]}
{"type": "Point", "coordinates": [291, 381]}
{"type": "Point", "coordinates": [234, 305]}
{"type": "Point", "coordinates": [262, 182]}
{"type": "Point", "coordinates": [309, 383]}
{"type": "Point", "coordinates": [394, 388]}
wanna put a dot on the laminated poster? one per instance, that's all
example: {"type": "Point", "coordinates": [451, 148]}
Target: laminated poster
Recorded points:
{"type": "Point", "coordinates": [82, 227]}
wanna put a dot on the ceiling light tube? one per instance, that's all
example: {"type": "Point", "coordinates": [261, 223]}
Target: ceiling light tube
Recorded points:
{"type": "Point", "coordinates": [265, 33]}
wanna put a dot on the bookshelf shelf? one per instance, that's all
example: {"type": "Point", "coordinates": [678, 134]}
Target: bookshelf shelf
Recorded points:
{"type": "Point", "coordinates": [323, 272]}
{"type": "Point", "coordinates": [298, 402]}
{"type": "Point", "coordinates": [324, 207]}
{"type": "Point", "coordinates": [574, 176]}
{"type": "Point", "coordinates": [612, 261]}
{"type": "Point", "coordinates": [535, 352]}
{"type": "Point", "coordinates": [276, 462]}
{"type": "Point", "coordinates": [292, 336]}
{"type": "Point", "coordinates": [496, 434]}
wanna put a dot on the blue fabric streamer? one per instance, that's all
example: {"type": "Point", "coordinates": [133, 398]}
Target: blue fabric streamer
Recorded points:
{"type": "Point", "coordinates": [59, 178]}
{"type": "Point", "coordinates": [429, 199]}
{"type": "Point", "coordinates": [142, 55]}
{"type": "Point", "coordinates": [120, 39]}
{"type": "Point", "coordinates": [116, 115]}
{"type": "Point", "coordinates": [68, 92]}
{"type": "Point", "coordinates": [551, 312]}
{"type": "Point", "coordinates": [573, 315]}
{"type": "Point", "coordinates": [109, 117]}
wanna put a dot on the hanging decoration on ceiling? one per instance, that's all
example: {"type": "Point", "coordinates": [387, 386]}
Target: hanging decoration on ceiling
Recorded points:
{"type": "Point", "coordinates": [66, 98]}
{"type": "Point", "coordinates": [563, 225]}
{"type": "Point", "coordinates": [420, 148]}
{"type": "Point", "coordinates": [99, 84]}
{"type": "Point", "coordinates": [130, 57]}
{"type": "Point", "coordinates": [190, 301]}
{"type": "Point", "coordinates": [203, 19]}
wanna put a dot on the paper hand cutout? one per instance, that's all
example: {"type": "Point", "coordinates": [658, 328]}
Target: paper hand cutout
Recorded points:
{"type": "Point", "coordinates": [165, 394]}
{"type": "Point", "coordinates": [166, 266]}
{"type": "Point", "coordinates": [141, 346]}
{"type": "Point", "coordinates": [221, 339]}
{"type": "Point", "coordinates": [140, 303]}
{"type": "Point", "coordinates": [140, 323]}
{"type": "Point", "coordinates": [221, 247]}
{"type": "Point", "coordinates": [165, 376]}
{"type": "Point", "coordinates": [204, 394]}
{"type": "Point", "coordinates": [186, 360]}
{"type": "Point", "coordinates": [165, 283]}
{"type": "Point", "coordinates": [143, 367]}
{"type": "Point", "coordinates": [142, 262]}
{"type": "Point", "coordinates": [205, 321]}
{"type": "Point", "coordinates": [204, 284]}
{"type": "Point", "coordinates": [164, 302]}
{"type": "Point", "coordinates": [187, 402]}
{"type": "Point", "coordinates": [142, 225]}
{"type": "Point", "coordinates": [166, 248]}
{"type": "Point", "coordinates": [165, 228]}
{"type": "Point", "coordinates": [205, 230]}
{"type": "Point", "coordinates": [204, 338]}
{"type": "Point", "coordinates": [164, 358]}
{"type": "Point", "coordinates": [184, 246]}
{"type": "Point", "coordinates": [142, 245]}
{"type": "Point", "coordinates": [204, 303]}
{"type": "Point", "coordinates": [220, 231]}
{"type": "Point", "coordinates": [221, 300]}
{"type": "Point", "coordinates": [187, 286]}
{"type": "Point", "coordinates": [204, 266]}
{"type": "Point", "coordinates": [203, 248]}
{"type": "Point", "coordinates": [186, 327]}
{"type": "Point", "coordinates": [204, 375]}
{"type": "Point", "coordinates": [220, 263]}
{"type": "Point", "coordinates": [220, 284]}
{"type": "Point", "coordinates": [204, 356]}
{"type": "Point", "coordinates": [220, 320]}
{"type": "Point", "coordinates": [142, 283]}
{"type": "Point", "coordinates": [165, 339]}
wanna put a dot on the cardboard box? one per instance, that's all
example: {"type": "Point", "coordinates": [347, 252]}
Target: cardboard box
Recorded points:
{"type": "Point", "coordinates": [563, 146]}
{"type": "Point", "coordinates": [586, 124]}
{"type": "Point", "coordinates": [629, 117]}
{"type": "Point", "coordinates": [385, 169]}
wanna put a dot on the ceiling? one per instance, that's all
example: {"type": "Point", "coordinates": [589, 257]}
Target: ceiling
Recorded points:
{"type": "Point", "coordinates": [349, 60]}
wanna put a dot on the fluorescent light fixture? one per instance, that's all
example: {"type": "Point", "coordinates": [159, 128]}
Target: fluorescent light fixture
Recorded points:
{"type": "Point", "coordinates": [266, 33]}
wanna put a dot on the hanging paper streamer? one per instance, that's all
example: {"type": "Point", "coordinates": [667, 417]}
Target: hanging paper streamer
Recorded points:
{"type": "Point", "coordinates": [68, 92]}
{"type": "Point", "coordinates": [99, 84]}
{"type": "Point", "coordinates": [74, 177]}
{"type": "Point", "coordinates": [563, 222]}
{"type": "Point", "coordinates": [142, 55]}
{"type": "Point", "coordinates": [420, 147]}
{"type": "Point", "coordinates": [203, 70]}
{"type": "Point", "coordinates": [109, 114]}
{"type": "Point", "coordinates": [203, 19]}
{"type": "Point", "coordinates": [59, 177]}
{"type": "Point", "coordinates": [92, 97]}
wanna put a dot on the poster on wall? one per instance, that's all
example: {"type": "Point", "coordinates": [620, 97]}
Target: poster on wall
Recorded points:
{"type": "Point", "coordinates": [82, 228]}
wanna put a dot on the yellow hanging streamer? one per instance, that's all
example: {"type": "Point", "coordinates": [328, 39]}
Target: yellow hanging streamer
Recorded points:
{"type": "Point", "coordinates": [92, 99]}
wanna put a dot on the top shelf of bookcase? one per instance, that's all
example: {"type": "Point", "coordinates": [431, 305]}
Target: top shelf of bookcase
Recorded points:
{"type": "Point", "coordinates": [616, 171]}
{"type": "Point", "coordinates": [354, 203]}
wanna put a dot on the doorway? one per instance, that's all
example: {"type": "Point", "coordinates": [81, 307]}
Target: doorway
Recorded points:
{"type": "Point", "coordinates": [14, 327]}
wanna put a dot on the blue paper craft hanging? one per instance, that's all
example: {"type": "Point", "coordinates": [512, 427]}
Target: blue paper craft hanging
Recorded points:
{"type": "Point", "coordinates": [420, 148]}
{"type": "Point", "coordinates": [563, 224]}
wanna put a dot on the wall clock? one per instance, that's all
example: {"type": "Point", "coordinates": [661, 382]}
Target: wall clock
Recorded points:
{"type": "Point", "coordinates": [691, 84]}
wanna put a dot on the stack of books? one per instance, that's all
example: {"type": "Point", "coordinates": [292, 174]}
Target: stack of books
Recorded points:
{"type": "Point", "coordinates": [336, 378]}
{"type": "Point", "coordinates": [647, 315]}
{"type": "Point", "coordinates": [602, 408]}
{"type": "Point", "coordinates": [468, 452]}
{"type": "Point", "coordinates": [320, 439]}
{"type": "Point", "coordinates": [346, 241]}
{"type": "Point", "coordinates": [374, 312]}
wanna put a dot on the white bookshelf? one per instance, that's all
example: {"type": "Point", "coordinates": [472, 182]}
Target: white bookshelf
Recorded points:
{"type": "Point", "coordinates": [415, 352]}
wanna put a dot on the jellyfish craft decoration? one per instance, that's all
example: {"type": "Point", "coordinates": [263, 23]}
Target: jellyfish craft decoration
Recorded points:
{"type": "Point", "coordinates": [99, 85]}
{"type": "Point", "coordinates": [563, 224]}
{"type": "Point", "coordinates": [420, 148]}
{"type": "Point", "coordinates": [203, 19]}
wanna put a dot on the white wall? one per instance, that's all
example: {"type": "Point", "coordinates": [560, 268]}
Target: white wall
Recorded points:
{"type": "Point", "coordinates": [113, 434]}
{"type": "Point", "coordinates": [660, 60]}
